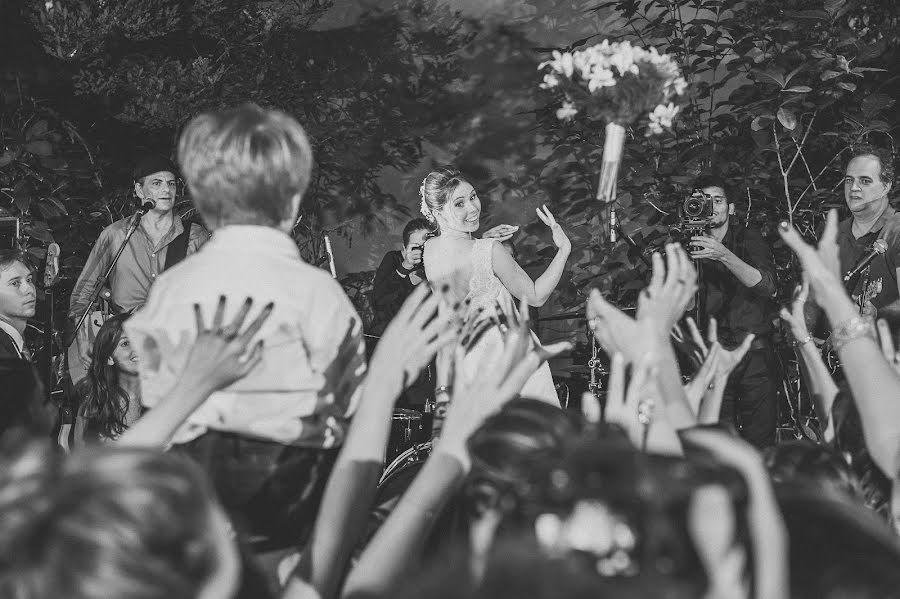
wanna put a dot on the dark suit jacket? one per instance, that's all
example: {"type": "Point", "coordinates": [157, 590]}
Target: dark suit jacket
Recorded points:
{"type": "Point", "coordinates": [8, 346]}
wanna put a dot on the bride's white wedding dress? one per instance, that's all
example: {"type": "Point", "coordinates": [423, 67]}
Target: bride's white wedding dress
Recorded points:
{"type": "Point", "coordinates": [488, 294]}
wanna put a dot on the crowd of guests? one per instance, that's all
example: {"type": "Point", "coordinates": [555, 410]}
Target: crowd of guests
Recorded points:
{"type": "Point", "coordinates": [236, 413]}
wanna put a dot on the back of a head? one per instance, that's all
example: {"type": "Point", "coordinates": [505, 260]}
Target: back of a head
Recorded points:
{"type": "Point", "coordinates": [837, 547]}
{"type": "Point", "coordinates": [102, 523]}
{"type": "Point", "coordinates": [245, 166]}
{"type": "Point", "coordinates": [511, 447]}
{"type": "Point", "coordinates": [812, 464]}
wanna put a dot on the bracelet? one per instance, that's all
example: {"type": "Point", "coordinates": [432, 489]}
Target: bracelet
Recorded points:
{"type": "Point", "coordinates": [796, 343]}
{"type": "Point", "coordinates": [446, 389]}
{"type": "Point", "coordinates": [852, 329]}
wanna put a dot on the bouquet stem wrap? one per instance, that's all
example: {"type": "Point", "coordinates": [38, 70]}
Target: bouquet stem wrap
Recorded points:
{"type": "Point", "coordinates": [609, 172]}
{"type": "Point", "coordinates": [612, 158]}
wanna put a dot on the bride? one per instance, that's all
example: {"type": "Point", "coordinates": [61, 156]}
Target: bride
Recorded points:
{"type": "Point", "coordinates": [481, 270]}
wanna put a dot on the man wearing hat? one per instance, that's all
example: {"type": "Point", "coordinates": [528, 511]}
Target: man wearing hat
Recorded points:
{"type": "Point", "coordinates": [160, 241]}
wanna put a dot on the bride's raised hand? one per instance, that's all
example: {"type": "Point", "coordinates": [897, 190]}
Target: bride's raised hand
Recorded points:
{"type": "Point", "coordinates": [560, 239]}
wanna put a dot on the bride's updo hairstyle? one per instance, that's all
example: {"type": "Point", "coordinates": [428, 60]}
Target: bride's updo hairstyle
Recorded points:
{"type": "Point", "coordinates": [436, 190]}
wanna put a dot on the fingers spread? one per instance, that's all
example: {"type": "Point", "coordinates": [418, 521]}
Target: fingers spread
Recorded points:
{"type": "Point", "coordinates": [257, 323]}
{"type": "Point", "coordinates": [219, 316]}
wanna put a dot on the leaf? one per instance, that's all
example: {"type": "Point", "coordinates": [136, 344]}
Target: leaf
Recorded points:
{"type": "Point", "coordinates": [798, 89]}
{"type": "Point", "coordinates": [830, 75]}
{"type": "Point", "coordinates": [833, 6]}
{"type": "Point", "coordinates": [876, 103]}
{"type": "Point", "coordinates": [52, 207]}
{"type": "Point", "coordinates": [787, 118]}
{"type": "Point", "coordinates": [39, 147]}
{"type": "Point", "coordinates": [850, 87]}
{"type": "Point", "coordinates": [6, 158]}
{"type": "Point", "coordinates": [37, 130]}
{"type": "Point", "coordinates": [22, 193]}
{"type": "Point", "coordinates": [759, 123]}
{"type": "Point", "coordinates": [39, 230]}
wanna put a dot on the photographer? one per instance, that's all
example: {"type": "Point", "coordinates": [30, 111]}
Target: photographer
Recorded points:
{"type": "Point", "coordinates": [399, 273]}
{"type": "Point", "coordinates": [737, 284]}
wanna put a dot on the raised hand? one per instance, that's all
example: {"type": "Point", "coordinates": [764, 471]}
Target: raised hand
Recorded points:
{"type": "Point", "coordinates": [616, 332]}
{"type": "Point", "coordinates": [886, 341]}
{"type": "Point", "coordinates": [796, 317]}
{"type": "Point", "coordinates": [560, 239]}
{"type": "Point", "coordinates": [221, 354]}
{"type": "Point", "coordinates": [412, 338]}
{"type": "Point", "coordinates": [640, 410]}
{"type": "Point", "coordinates": [728, 359]}
{"type": "Point", "coordinates": [500, 380]}
{"type": "Point", "coordinates": [821, 264]}
{"type": "Point", "coordinates": [500, 232]}
{"type": "Point", "coordinates": [671, 289]}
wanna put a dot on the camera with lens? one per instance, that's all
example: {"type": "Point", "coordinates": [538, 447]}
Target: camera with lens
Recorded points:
{"type": "Point", "coordinates": [694, 215]}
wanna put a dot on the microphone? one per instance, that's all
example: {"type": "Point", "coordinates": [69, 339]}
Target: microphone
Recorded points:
{"type": "Point", "coordinates": [613, 225]}
{"type": "Point", "coordinates": [330, 257]}
{"type": "Point", "coordinates": [146, 207]}
{"type": "Point", "coordinates": [877, 249]}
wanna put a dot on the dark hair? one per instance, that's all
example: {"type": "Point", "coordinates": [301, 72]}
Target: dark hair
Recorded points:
{"type": "Point", "coordinates": [837, 547]}
{"type": "Point", "coordinates": [510, 452]}
{"type": "Point", "coordinates": [812, 464]}
{"type": "Point", "coordinates": [104, 402]}
{"type": "Point", "coordinates": [10, 257]}
{"type": "Point", "coordinates": [705, 180]}
{"type": "Point", "coordinates": [109, 522]}
{"type": "Point", "coordinates": [437, 188]}
{"type": "Point", "coordinates": [150, 164]}
{"type": "Point", "coordinates": [244, 165]}
{"type": "Point", "coordinates": [416, 224]}
{"type": "Point", "coordinates": [884, 157]}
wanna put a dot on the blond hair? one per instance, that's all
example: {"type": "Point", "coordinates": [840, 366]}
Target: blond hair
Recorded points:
{"type": "Point", "coordinates": [244, 165]}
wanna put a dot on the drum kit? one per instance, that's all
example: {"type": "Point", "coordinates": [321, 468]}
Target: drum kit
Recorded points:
{"type": "Point", "coordinates": [410, 444]}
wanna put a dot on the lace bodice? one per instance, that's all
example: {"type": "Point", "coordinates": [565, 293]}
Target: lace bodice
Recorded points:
{"type": "Point", "coordinates": [485, 289]}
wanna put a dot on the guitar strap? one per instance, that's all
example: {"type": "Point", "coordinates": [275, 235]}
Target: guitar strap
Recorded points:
{"type": "Point", "coordinates": [177, 249]}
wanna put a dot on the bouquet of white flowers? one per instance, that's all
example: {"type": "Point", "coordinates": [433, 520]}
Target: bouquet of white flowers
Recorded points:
{"type": "Point", "coordinates": [619, 84]}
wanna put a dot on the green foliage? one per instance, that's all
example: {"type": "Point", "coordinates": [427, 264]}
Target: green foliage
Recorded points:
{"type": "Point", "coordinates": [778, 92]}
{"type": "Point", "coordinates": [366, 93]}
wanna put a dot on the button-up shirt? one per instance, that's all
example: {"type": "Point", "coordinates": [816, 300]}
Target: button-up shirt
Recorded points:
{"type": "Point", "coordinates": [739, 309]}
{"type": "Point", "coordinates": [137, 268]}
{"type": "Point", "coordinates": [879, 282]}
{"type": "Point", "coordinates": [307, 385]}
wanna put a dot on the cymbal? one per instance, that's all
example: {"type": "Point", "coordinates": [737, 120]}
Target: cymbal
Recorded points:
{"type": "Point", "coordinates": [574, 369]}
{"type": "Point", "coordinates": [577, 315]}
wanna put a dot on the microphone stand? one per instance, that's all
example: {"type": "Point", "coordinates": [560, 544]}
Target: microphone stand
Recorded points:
{"type": "Point", "coordinates": [136, 222]}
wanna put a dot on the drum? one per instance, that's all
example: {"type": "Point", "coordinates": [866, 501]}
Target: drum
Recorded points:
{"type": "Point", "coordinates": [408, 428]}
{"type": "Point", "coordinates": [394, 481]}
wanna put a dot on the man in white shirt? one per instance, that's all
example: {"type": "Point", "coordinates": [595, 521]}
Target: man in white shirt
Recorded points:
{"type": "Point", "coordinates": [269, 440]}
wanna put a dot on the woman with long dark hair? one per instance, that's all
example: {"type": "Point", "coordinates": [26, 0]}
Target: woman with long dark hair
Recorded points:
{"type": "Point", "coordinates": [110, 393]}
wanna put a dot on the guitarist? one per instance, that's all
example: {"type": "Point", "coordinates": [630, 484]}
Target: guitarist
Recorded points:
{"type": "Point", "coordinates": [867, 183]}
{"type": "Point", "coordinates": [160, 241]}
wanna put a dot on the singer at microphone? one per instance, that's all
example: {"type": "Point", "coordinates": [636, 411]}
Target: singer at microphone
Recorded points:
{"type": "Point", "coordinates": [134, 250]}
